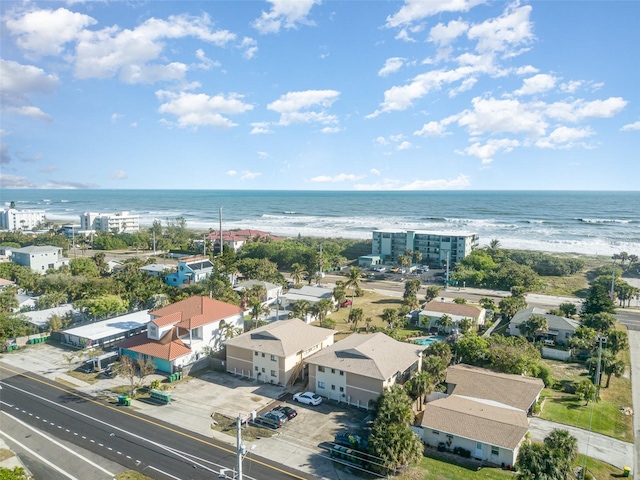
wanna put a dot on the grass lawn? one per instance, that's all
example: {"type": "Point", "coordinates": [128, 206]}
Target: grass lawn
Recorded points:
{"type": "Point", "coordinates": [568, 409]}
{"type": "Point", "coordinates": [132, 475]}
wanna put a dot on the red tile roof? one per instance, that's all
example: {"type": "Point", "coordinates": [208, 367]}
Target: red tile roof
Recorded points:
{"type": "Point", "coordinates": [169, 347]}
{"type": "Point", "coordinates": [195, 311]}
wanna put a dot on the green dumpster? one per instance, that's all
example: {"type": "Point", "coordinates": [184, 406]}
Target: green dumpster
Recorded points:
{"type": "Point", "coordinates": [122, 399]}
{"type": "Point", "coordinates": [127, 402]}
{"type": "Point", "coordinates": [626, 471]}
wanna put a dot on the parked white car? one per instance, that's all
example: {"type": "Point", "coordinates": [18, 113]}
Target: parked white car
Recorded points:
{"type": "Point", "coordinates": [309, 398]}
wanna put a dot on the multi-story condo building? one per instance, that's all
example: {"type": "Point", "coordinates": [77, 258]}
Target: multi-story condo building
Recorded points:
{"type": "Point", "coordinates": [110, 222]}
{"type": "Point", "coordinates": [12, 219]}
{"type": "Point", "coordinates": [436, 248]}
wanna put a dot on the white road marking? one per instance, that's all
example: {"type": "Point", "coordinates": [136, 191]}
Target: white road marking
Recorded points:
{"type": "Point", "coordinates": [162, 472]}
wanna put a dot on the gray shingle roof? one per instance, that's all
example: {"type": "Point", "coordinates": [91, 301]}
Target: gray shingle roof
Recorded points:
{"type": "Point", "coordinates": [374, 355]}
{"type": "Point", "coordinates": [513, 390]}
{"type": "Point", "coordinates": [452, 308]}
{"type": "Point", "coordinates": [282, 337]}
{"type": "Point", "coordinates": [472, 419]}
{"type": "Point", "coordinates": [554, 322]}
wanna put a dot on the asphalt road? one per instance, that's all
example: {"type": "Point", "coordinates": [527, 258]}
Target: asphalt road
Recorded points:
{"type": "Point", "coordinates": [124, 437]}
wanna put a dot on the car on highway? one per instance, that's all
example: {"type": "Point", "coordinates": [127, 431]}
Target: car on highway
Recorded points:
{"type": "Point", "coordinates": [288, 411]}
{"type": "Point", "coordinates": [308, 398]}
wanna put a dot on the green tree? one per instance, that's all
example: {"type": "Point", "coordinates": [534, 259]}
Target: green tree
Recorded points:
{"type": "Point", "coordinates": [534, 325]}
{"type": "Point", "coordinates": [465, 325]}
{"type": "Point", "coordinates": [15, 473]}
{"type": "Point", "coordinates": [355, 316]}
{"type": "Point", "coordinates": [488, 304]}
{"type": "Point", "coordinates": [8, 299]}
{"type": "Point", "coordinates": [300, 309]}
{"type": "Point", "coordinates": [433, 291]}
{"type": "Point", "coordinates": [340, 295]}
{"type": "Point", "coordinates": [509, 306]}
{"type": "Point", "coordinates": [256, 310]}
{"type": "Point", "coordinates": [614, 367]}
{"type": "Point", "coordinates": [617, 341]}
{"type": "Point", "coordinates": [601, 322]}
{"type": "Point", "coordinates": [418, 386]}
{"type": "Point", "coordinates": [597, 301]}
{"type": "Point", "coordinates": [471, 349]}
{"type": "Point", "coordinates": [586, 390]}
{"type": "Point", "coordinates": [353, 279]}
{"type": "Point", "coordinates": [84, 266]}
{"type": "Point", "coordinates": [298, 272]}
{"type": "Point", "coordinates": [390, 316]}
{"type": "Point", "coordinates": [568, 309]}
{"type": "Point", "coordinates": [445, 322]}
{"type": "Point", "coordinates": [103, 305]}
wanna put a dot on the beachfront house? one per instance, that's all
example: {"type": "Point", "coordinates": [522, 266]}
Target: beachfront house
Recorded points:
{"type": "Point", "coordinates": [39, 258]}
{"type": "Point", "coordinates": [559, 329]}
{"type": "Point", "coordinates": [110, 222]}
{"type": "Point", "coordinates": [356, 370]}
{"type": "Point", "coordinates": [275, 353]}
{"type": "Point", "coordinates": [433, 311]}
{"type": "Point", "coordinates": [13, 219]}
{"type": "Point", "coordinates": [181, 333]}
{"type": "Point", "coordinates": [235, 239]}
{"type": "Point", "coordinates": [483, 412]}
{"type": "Point", "coordinates": [190, 270]}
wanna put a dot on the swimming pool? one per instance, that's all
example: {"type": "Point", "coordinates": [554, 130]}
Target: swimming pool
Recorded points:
{"type": "Point", "coordinates": [426, 341]}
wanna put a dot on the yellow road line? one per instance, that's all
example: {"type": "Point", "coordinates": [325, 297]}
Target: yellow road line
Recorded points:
{"type": "Point", "coordinates": [292, 475]}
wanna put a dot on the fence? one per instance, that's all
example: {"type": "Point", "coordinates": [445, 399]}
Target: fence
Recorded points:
{"type": "Point", "coordinates": [555, 354]}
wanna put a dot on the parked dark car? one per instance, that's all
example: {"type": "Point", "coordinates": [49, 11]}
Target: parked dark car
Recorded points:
{"type": "Point", "coordinates": [272, 418]}
{"type": "Point", "coordinates": [288, 411]}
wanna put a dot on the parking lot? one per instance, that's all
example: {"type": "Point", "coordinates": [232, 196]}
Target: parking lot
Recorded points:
{"type": "Point", "coordinates": [196, 399]}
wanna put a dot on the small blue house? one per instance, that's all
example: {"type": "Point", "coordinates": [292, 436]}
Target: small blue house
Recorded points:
{"type": "Point", "coordinates": [190, 270]}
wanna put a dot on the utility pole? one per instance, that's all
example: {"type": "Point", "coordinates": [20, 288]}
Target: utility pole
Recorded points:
{"type": "Point", "coordinates": [613, 281]}
{"type": "Point", "coordinates": [220, 231]}
{"type": "Point", "coordinates": [601, 339]}
{"type": "Point", "coordinates": [241, 449]}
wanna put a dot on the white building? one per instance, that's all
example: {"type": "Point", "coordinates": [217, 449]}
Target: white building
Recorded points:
{"type": "Point", "coordinates": [110, 222]}
{"type": "Point", "coordinates": [12, 219]}
{"type": "Point", "coordinates": [39, 258]}
{"type": "Point", "coordinates": [436, 248]}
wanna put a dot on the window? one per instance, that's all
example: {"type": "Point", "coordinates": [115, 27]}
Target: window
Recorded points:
{"type": "Point", "coordinates": [273, 358]}
{"type": "Point", "coordinates": [255, 353]}
{"type": "Point", "coordinates": [333, 387]}
{"type": "Point", "coordinates": [435, 432]}
{"type": "Point", "coordinates": [263, 370]}
{"type": "Point", "coordinates": [341, 373]}
{"type": "Point", "coordinates": [333, 370]}
{"type": "Point", "coordinates": [262, 355]}
{"type": "Point", "coordinates": [256, 369]}
{"type": "Point", "coordinates": [320, 369]}
{"type": "Point", "coordinates": [273, 373]}
{"type": "Point", "coordinates": [342, 389]}
{"type": "Point", "coordinates": [495, 450]}
{"type": "Point", "coordinates": [320, 384]}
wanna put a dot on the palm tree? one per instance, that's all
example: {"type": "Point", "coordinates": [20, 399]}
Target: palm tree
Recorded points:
{"type": "Point", "coordinates": [297, 273]}
{"type": "Point", "coordinates": [257, 309]}
{"type": "Point", "coordinates": [390, 315]}
{"type": "Point", "coordinates": [419, 386]}
{"type": "Point", "coordinates": [321, 308]}
{"type": "Point", "coordinates": [300, 309]}
{"type": "Point", "coordinates": [417, 256]}
{"type": "Point", "coordinates": [353, 278]}
{"type": "Point", "coordinates": [355, 315]}
{"type": "Point", "coordinates": [432, 292]}
{"type": "Point", "coordinates": [340, 295]}
{"type": "Point", "coordinates": [367, 323]}
{"type": "Point", "coordinates": [494, 244]}
{"type": "Point", "coordinates": [444, 322]}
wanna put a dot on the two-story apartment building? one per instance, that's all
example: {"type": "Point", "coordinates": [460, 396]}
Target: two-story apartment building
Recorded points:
{"type": "Point", "coordinates": [275, 353]}
{"type": "Point", "coordinates": [436, 248]}
{"type": "Point", "coordinates": [356, 370]}
{"type": "Point", "coordinates": [110, 222]}
{"type": "Point", "coordinates": [39, 258]}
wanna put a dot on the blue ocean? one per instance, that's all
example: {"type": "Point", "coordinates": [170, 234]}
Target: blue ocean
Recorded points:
{"type": "Point", "coordinates": [591, 223]}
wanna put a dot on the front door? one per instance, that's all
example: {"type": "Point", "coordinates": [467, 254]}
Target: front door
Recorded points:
{"type": "Point", "coordinates": [478, 452]}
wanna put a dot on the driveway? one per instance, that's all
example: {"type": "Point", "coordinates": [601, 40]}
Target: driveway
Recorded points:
{"type": "Point", "coordinates": [595, 445]}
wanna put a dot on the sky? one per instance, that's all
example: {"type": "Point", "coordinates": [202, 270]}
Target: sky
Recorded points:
{"type": "Point", "coordinates": [320, 95]}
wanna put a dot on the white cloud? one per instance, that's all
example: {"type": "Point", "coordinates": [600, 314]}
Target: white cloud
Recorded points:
{"type": "Point", "coordinates": [45, 32]}
{"type": "Point", "coordinates": [526, 70]}
{"type": "Point", "coordinates": [487, 151]}
{"type": "Point", "coordinates": [445, 34]}
{"type": "Point", "coordinates": [392, 65]}
{"type": "Point", "coordinates": [127, 53]}
{"type": "Point", "coordinates": [341, 177]}
{"type": "Point", "coordinates": [284, 13]}
{"type": "Point", "coordinates": [205, 62]}
{"type": "Point", "coordinates": [293, 107]}
{"type": "Point", "coordinates": [250, 47]}
{"type": "Point", "coordinates": [200, 109]}
{"type": "Point", "coordinates": [381, 141]}
{"type": "Point", "coordinates": [564, 137]}
{"type": "Point", "coordinates": [631, 126]}
{"type": "Point", "coordinates": [115, 117]}
{"type": "Point", "coordinates": [501, 116]}
{"type": "Point", "coordinates": [118, 175]}
{"type": "Point", "coordinates": [263, 155]}
{"type": "Point", "coordinates": [431, 129]}
{"type": "Point", "coordinates": [416, 10]}
{"type": "Point", "coordinates": [231, 173]}
{"type": "Point", "coordinates": [19, 82]}
{"type": "Point", "coordinates": [328, 130]}
{"type": "Point", "coordinates": [460, 181]}
{"type": "Point", "coordinates": [580, 110]}
{"type": "Point", "coordinates": [260, 127]}
{"type": "Point", "coordinates": [247, 175]}
{"type": "Point", "coordinates": [467, 84]}
{"type": "Point", "coordinates": [571, 86]}
{"type": "Point", "coordinates": [404, 146]}
{"type": "Point", "coordinates": [536, 84]}
{"type": "Point", "coordinates": [502, 34]}
{"type": "Point", "coordinates": [375, 171]}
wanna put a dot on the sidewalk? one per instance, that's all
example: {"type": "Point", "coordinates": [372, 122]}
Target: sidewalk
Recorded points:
{"type": "Point", "coordinates": [595, 445]}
